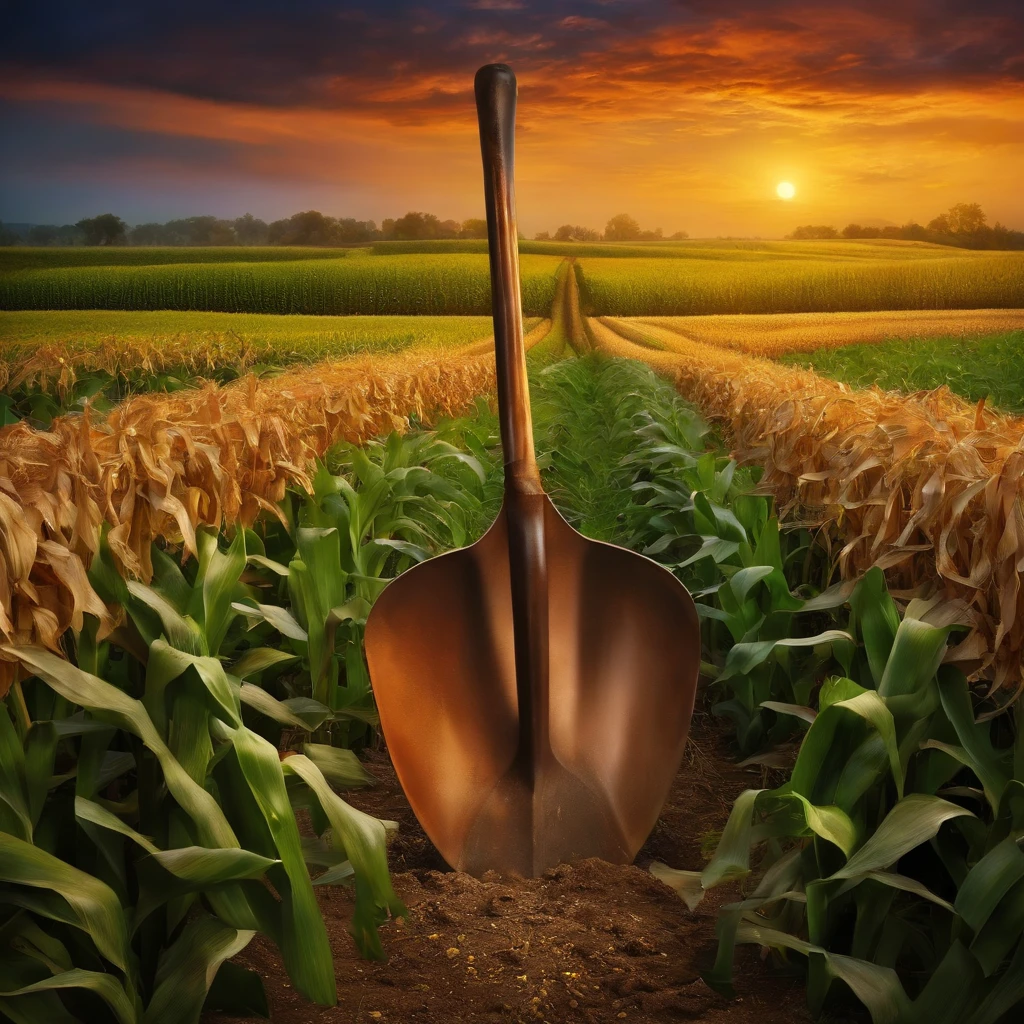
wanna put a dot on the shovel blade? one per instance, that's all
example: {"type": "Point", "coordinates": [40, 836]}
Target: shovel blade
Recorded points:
{"type": "Point", "coordinates": [624, 652]}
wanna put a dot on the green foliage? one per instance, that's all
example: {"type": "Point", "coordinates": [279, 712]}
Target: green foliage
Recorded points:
{"type": "Point", "coordinates": [974, 368]}
{"type": "Point", "coordinates": [377, 510]}
{"type": "Point", "coordinates": [892, 857]}
{"type": "Point", "coordinates": [146, 833]}
{"type": "Point", "coordinates": [360, 283]}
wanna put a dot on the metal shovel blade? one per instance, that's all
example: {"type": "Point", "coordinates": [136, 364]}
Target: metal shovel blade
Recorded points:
{"type": "Point", "coordinates": [441, 648]}
{"type": "Point", "coordinates": [535, 689]}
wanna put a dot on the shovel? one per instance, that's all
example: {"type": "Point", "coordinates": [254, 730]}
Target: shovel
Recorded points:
{"type": "Point", "coordinates": [535, 689]}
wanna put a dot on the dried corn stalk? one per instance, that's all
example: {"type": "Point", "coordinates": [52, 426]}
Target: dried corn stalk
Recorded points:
{"type": "Point", "coordinates": [775, 334]}
{"type": "Point", "coordinates": [926, 485]}
{"type": "Point", "coordinates": [161, 465]}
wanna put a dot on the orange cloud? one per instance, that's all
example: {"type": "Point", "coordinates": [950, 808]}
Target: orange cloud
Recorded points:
{"type": "Point", "coordinates": [882, 111]}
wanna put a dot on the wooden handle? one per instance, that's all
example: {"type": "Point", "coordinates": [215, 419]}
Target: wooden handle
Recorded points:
{"type": "Point", "coordinates": [496, 111]}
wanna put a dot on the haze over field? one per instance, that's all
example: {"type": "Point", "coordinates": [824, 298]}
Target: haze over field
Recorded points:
{"type": "Point", "coordinates": [689, 115]}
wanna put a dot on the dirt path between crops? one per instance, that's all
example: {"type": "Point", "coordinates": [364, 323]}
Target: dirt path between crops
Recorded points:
{"type": "Point", "coordinates": [589, 942]}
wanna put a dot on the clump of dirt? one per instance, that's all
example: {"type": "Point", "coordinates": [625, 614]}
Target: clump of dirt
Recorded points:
{"type": "Point", "coordinates": [587, 942]}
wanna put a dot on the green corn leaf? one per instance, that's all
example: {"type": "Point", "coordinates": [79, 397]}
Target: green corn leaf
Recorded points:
{"type": "Point", "coordinates": [363, 838]}
{"type": "Point", "coordinates": [878, 988]}
{"type": "Point", "coordinates": [988, 882]}
{"type": "Point", "coordinates": [732, 855]}
{"type": "Point", "coordinates": [219, 572]}
{"type": "Point", "coordinates": [188, 967]}
{"type": "Point", "coordinates": [112, 705]}
{"type": "Point", "coordinates": [95, 906]}
{"type": "Point", "coordinates": [169, 581]}
{"type": "Point", "coordinates": [796, 710]}
{"type": "Point", "coordinates": [1005, 994]}
{"type": "Point", "coordinates": [862, 771]}
{"type": "Point", "coordinates": [829, 822]}
{"type": "Point", "coordinates": [877, 620]}
{"type": "Point", "coordinates": [687, 884]}
{"type": "Point", "coordinates": [306, 949]}
{"type": "Point", "coordinates": [744, 657]}
{"type": "Point", "coordinates": [266, 704]}
{"type": "Point", "coordinates": [14, 809]}
{"type": "Point", "coordinates": [89, 810]}
{"type": "Point", "coordinates": [904, 884]}
{"type": "Point", "coordinates": [742, 582]}
{"type": "Point", "coordinates": [980, 756]}
{"type": "Point", "coordinates": [951, 990]}
{"type": "Point", "coordinates": [106, 986]}
{"type": "Point", "coordinates": [278, 617]}
{"type": "Point", "coordinates": [268, 563]}
{"type": "Point", "coordinates": [259, 659]}
{"type": "Point", "coordinates": [914, 659]}
{"type": "Point", "coordinates": [40, 751]}
{"type": "Point", "coordinates": [1001, 932]}
{"type": "Point", "coordinates": [182, 631]}
{"type": "Point", "coordinates": [340, 767]}
{"type": "Point", "coordinates": [237, 992]}
{"type": "Point", "coordinates": [911, 822]}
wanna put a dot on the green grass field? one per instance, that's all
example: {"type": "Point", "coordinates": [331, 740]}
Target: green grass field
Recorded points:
{"type": "Point", "coordinates": [358, 282]}
{"type": "Point", "coordinates": [807, 280]}
{"type": "Point", "coordinates": [975, 368]}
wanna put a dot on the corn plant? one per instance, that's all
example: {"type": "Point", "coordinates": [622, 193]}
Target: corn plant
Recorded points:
{"type": "Point", "coordinates": [147, 834]}
{"type": "Point", "coordinates": [892, 856]}
{"type": "Point", "coordinates": [389, 504]}
{"type": "Point", "coordinates": [740, 574]}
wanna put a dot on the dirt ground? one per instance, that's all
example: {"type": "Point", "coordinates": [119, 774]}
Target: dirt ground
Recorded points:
{"type": "Point", "coordinates": [589, 942]}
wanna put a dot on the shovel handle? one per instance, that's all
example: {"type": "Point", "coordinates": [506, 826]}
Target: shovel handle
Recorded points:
{"type": "Point", "coordinates": [496, 111]}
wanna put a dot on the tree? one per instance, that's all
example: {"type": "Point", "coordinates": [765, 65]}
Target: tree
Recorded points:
{"type": "Point", "coordinates": [542, 236]}
{"type": "Point", "coordinates": [966, 218]}
{"type": "Point", "coordinates": [474, 227]}
{"type": "Point", "coordinates": [415, 227]}
{"type": "Point", "coordinates": [814, 231]}
{"type": "Point", "coordinates": [622, 228]}
{"type": "Point", "coordinates": [940, 225]}
{"type": "Point", "coordinates": [250, 230]}
{"type": "Point", "coordinates": [576, 233]}
{"type": "Point", "coordinates": [678, 236]}
{"type": "Point", "coordinates": [42, 234]}
{"type": "Point", "coordinates": [106, 229]}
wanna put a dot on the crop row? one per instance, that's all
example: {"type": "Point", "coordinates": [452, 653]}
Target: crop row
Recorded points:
{"type": "Point", "coordinates": [165, 465]}
{"type": "Point", "coordinates": [658, 287]}
{"type": "Point", "coordinates": [926, 487]}
{"type": "Point", "coordinates": [53, 361]}
{"type": "Point", "coordinates": [776, 334]}
{"type": "Point", "coordinates": [357, 284]}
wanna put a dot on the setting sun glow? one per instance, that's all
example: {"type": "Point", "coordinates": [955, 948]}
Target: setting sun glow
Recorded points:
{"type": "Point", "coordinates": [784, 190]}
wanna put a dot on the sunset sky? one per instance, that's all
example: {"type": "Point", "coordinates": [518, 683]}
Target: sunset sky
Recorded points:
{"type": "Point", "coordinates": [685, 115]}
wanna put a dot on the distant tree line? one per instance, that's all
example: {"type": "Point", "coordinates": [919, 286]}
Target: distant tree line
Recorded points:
{"type": "Point", "coordinates": [308, 228]}
{"type": "Point", "coordinates": [964, 225]}
{"type": "Point", "coordinates": [621, 228]}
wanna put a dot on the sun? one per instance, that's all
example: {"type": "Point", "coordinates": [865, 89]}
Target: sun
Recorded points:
{"type": "Point", "coordinates": [784, 190]}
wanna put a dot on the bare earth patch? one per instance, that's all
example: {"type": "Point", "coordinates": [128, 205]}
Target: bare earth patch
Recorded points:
{"type": "Point", "coordinates": [588, 942]}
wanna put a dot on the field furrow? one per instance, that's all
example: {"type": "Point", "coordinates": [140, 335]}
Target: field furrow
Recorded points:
{"type": "Point", "coordinates": [926, 486]}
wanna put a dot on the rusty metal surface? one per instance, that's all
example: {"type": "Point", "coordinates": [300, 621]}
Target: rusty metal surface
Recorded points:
{"type": "Point", "coordinates": [535, 689]}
